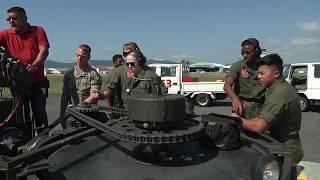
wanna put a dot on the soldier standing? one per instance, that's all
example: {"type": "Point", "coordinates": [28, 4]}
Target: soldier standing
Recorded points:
{"type": "Point", "coordinates": [116, 99]}
{"type": "Point", "coordinates": [247, 93]}
{"type": "Point", "coordinates": [82, 82]}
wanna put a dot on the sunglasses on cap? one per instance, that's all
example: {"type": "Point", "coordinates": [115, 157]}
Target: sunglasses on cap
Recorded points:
{"type": "Point", "coordinates": [132, 64]}
{"type": "Point", "coordinates": [13, 18]}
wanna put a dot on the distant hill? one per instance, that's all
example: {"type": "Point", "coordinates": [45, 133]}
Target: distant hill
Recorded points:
{"type": "Point", "coordinates": [151, 61]}
{"type": "Point", "coordinates": [56, 64]}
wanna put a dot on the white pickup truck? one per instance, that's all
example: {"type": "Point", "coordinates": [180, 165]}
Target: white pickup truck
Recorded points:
{"type": "Point", "coordinates": [305, 77]}
{"type": "Point", "coordinates": [178, 80]}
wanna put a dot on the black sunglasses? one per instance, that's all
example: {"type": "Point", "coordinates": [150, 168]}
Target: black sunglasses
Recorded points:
{"type": "Point", "coordinates": [13, 18]}
{"type": "Point", "coordinates": [132, 64]}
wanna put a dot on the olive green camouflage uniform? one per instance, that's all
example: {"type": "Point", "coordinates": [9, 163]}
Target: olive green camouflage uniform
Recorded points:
{"type": "Point", "coordinates": [140, 85]}
{"type": "Point", "coordinates": [281, 109]}
{"type": "Point", "coordinates": [115, 100]}
{"type": "Point", "coordinates": [77, 83]}
{"type": "Point", "coordinates": [247, 87]}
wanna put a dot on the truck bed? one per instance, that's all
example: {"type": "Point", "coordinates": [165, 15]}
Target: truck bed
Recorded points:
{"type": "Point", "coordinates": [216, 87]}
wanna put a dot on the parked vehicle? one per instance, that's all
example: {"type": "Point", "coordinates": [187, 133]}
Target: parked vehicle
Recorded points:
{"type": "Point", "coordinates": [208, 67]}
{"type": "Point", "coordinates": [305, 77]}
{"type": "Point", "coordinates": [178, 80]}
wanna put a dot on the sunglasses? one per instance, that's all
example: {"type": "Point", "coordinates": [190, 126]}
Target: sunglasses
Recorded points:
{"type": "Point", "coordinates": [132, 64]}
{"type": "Point", "coordinates": [13, 18]}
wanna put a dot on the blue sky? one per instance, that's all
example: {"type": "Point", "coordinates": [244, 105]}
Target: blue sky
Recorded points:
{"type": "Point", "coordinates": [201, 30]}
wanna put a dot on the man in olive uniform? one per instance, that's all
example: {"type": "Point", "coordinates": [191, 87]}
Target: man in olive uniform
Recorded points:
{"type": "Point", "coordinates": [116, 97]}
{"type": "Point", "coordinates": [117, 60]}
{"type": "Point", "coordinates": [134, 78]}
{"type": "Point", "coordinates": [280, 113]}
{"type": "Point", "coordinates": [241, 83]}
{"type": "Point", "coordinates": [82, 82]}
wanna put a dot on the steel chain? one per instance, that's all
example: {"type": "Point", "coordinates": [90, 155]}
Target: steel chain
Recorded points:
{"type": "Point", "coordinates": [124, 129]}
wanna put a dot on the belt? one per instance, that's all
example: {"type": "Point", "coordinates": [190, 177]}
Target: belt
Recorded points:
{"type": "Point", "coordinates": [252, 100]}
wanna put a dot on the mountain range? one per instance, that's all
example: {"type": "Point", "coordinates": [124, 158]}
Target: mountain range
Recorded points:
{"type": "Point", "coordinates": [56, 64]}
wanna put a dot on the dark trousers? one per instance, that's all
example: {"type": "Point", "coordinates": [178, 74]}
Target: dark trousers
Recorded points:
{"type": "Point", "coordinates": [294, 173]}
{"type": "Point", "coordinates": [37, 102]}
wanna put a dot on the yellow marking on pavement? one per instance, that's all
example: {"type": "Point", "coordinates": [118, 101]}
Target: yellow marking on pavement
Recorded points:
{"type": "Point", "coordinates": [302, 176]}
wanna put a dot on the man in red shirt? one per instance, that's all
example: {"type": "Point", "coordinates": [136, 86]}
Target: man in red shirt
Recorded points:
{"type": "Point", "coordinates": [30, 45]}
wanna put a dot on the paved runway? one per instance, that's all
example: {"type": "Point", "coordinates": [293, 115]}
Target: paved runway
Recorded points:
{"type": "Point", "coordinates": [310, 131]}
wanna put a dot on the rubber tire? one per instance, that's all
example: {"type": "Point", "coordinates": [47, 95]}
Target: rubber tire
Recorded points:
{"type": "Point", "coordinates": [203, 100]}
{"type": "Point", "coordinates": [257, 166]}
{"type": "Point", "coordinates": [304, 104]}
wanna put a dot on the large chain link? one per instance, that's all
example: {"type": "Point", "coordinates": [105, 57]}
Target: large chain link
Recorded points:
{"type": "Point", "coordinates": [124, 129]}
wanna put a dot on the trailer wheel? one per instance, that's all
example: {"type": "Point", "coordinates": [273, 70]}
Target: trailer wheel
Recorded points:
{"type": "Point", "coordinates": [203, 100]}
{"type": "Point", "coordinates": [304, 104]}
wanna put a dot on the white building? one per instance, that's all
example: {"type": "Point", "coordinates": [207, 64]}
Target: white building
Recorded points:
{"type": "Point", "coordinates": [207, 67]}
{"type": "Point", "coordinates": [56, 70]}
{"type": "Point", "coordinates": [103, 69]}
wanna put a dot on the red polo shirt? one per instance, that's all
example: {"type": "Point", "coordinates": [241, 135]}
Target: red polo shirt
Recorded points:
{"type": "Point", "coordinates": [25, 47]}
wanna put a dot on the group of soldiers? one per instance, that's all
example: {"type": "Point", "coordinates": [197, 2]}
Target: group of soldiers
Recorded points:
{"type": "Point", "coordinates": [82, 83]}
{"type": "Point", "coordinates": [260, 96]}
{"type": "Point", "coordinates": [263, 100]}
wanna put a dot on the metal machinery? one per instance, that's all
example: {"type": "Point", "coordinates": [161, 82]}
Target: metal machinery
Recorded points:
{"type": "Point", "coordinates": [15, 129]}
{"type": "Point", "coordinates": [152, 139]}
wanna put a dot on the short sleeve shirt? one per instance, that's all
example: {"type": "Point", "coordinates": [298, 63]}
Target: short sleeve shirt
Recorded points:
{"type": "Point", "coordinates": [77, 83]}
{"type": "Point", "coordinates": [25, 47]}
{"type": "Point", "coordinates": [246, 80]}
{"type": "Point", "coordinates": [281, 109]}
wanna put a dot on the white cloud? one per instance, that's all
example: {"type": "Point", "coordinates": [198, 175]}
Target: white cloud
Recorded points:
{"type": "Point", "coordinates": [287, 53]}
{"type": "Point", "coordinates": [304, 41]}
{"type": "Point", "coordinates": [272, 41]}
{"type": "Point", "coordinates": [283, 50]}
{"type": "Point", "coordinates": [106, 48]}
{"type": "Point", "coordinates": [304, 48]}
{"type": "Point", "coordinates": [312, 26]}
{"type": "Point", "coordinates": [297, 50]}
{"type": "Point", "coordinates": [313, 48]}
